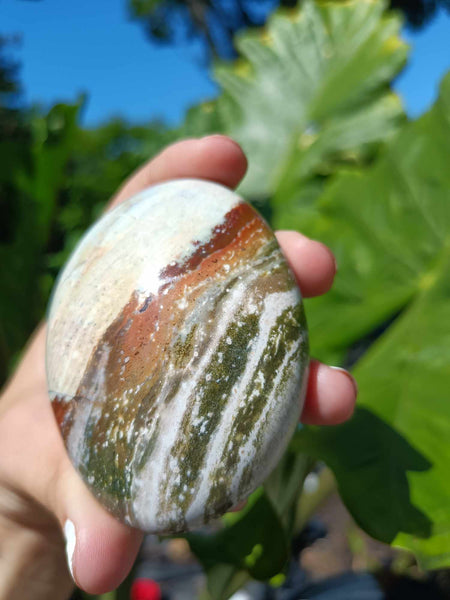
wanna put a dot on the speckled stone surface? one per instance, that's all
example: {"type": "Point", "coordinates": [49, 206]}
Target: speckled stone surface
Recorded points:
{"type": "Point", "coordinates": [176, 355]}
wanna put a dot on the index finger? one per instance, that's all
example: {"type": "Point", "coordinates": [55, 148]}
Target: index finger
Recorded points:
{"type": "Point", "coordinates": [215, 158]}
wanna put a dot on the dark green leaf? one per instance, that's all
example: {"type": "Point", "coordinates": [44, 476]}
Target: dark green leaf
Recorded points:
{"type": "Point", "coordinates": [254, 540]}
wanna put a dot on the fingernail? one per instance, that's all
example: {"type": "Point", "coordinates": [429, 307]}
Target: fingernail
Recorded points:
{"type": "Point", "coordinates": [349, 375]}
{"type": "Point", "coordinates": [71, 540]}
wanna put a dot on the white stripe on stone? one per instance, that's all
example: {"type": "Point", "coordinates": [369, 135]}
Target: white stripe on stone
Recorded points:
{"type": "Point", "coordinates": [274, 305]}
{"type": "Point", "coordinates": [146, 484]}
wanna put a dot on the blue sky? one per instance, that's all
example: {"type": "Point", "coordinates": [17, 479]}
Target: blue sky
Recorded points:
{"type": "Point", "coordinates": [91, 46]}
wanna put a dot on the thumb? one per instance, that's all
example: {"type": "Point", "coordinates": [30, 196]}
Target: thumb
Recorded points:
{"type": "Point", "coordinates": [100, 550]}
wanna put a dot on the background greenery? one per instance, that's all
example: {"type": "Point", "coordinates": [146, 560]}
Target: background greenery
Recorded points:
{"type": "Point", "coordinates": [332, 154]}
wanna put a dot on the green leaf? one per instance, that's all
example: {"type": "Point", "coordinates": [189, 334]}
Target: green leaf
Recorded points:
{"type": "Point", "coordinates": [224, 580]}
{"type": "Point", "coordinates": [35, 170]}
{"type": "Point", "coordinates": [284, 485]}
{"type": "Point", "coordinates": [53, 136]}
{"type": "Point", "coordinates": [312, 91]}
{"type": "Point", "coordinates": [372, 483]}
{"type": "Point", "coordinates": [406, 381]}
{"type": "Point", "coordinates": [387, 228]}
{"type": "Point", "coordinates": [201, 119]}
{"type": "Point", "coordinates": [253, 540]}
{"type": "Point", "coordinates": [391, 227]}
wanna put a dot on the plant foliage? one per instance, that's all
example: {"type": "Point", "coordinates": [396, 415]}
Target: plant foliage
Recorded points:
{"type": "Point", "coordinates": [377, 191]}
{"type": "Point", "coordinates": [390, 227]}
{"type": "Point", "coordinates": [311, 93]}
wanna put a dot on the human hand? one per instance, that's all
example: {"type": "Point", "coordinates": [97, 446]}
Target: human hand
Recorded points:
{"type": "Point", "coordinates": [40, 490]}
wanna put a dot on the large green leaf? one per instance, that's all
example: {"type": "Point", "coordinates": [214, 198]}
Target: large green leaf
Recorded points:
{"type": "Point", "coordinates": [387, 229]}
{"type": "Point", "coordinates": [391, 227]}
{"type": "Point", "coordinates": [312, 91]}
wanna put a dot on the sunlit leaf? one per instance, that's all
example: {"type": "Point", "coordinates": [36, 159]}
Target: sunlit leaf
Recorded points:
{"type": "Point", "coordinates": [391, 228]}
{"type": "Point", "coordinates": [312, 91]}
{"type": "Point", "coordinates": [387, 229]}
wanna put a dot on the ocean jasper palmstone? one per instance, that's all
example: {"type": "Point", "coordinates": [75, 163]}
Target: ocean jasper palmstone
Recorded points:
{"type": "Point", "coordinates": [176, 355]}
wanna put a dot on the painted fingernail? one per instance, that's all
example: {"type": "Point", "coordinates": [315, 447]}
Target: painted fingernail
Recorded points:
{"type": "Point", "coordinates": [349, 375]}
{"type": "Point", "coordinates": [71, 540]}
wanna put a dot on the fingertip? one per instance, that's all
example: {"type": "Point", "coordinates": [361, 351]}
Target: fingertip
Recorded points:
{"type": "Point", "coordinates": [214, 157]}
{"type": "Point", "coordinates": [100, 550]}
{"type": "Point", "coordinates": [220, 138]}
{"type": "Point", "coordinates": [312, 262]}
{"type": "Point", "coordinates": [227, 161]}
{"type": "Point", "coordinates": [331, 395]}
{"type": "Point", "coordinates": [104, 555]}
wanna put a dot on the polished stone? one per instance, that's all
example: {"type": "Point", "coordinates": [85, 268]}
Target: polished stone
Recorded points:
{"type": "Point", "coordinates": [176, 355]}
